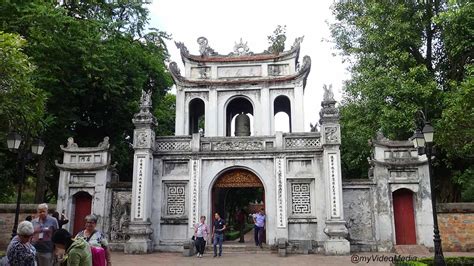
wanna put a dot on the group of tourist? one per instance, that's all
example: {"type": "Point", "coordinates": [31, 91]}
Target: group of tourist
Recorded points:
{"type": "Point", "coordinates": [43, 242]}
{"type": "Point", "coordinates": [201, 232]}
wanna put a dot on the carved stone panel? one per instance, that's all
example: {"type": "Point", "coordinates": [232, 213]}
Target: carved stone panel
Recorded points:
{"type": "Point", "coordinates": [334, 186]}
{"type": "Point", "coordinates": [281, 191]}
{"type": "Point", "coordinates": [358, 214]}
{"type": "Point", "coordinates": [175, 199]}
{"type": "Point", "coordinates": [200, 72]}
{"type": "Point", "coordinates": [142, 139]}
{"type": "Point", "coordinates": [300, 198]}
{"type": "Point", "coordinates": [300, 167]}
{"type": "Point", "coordinates": [278, 70]}
{"type": "Point", "coordinates": [82, 178]}
{"type": "Point", "coordinates": [120, 215]}
{"type": "Point", "coordinates": [239, 71]}
{"type": "Point", "coordinates": [237, 146]}
{"type": "Point", "coordinates": [331, 135]}
{"type": "Point", "coordinates": [175, 168]}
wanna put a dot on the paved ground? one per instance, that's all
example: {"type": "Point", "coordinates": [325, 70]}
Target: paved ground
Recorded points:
{"type": "Point", "coordinates": [243, 259]}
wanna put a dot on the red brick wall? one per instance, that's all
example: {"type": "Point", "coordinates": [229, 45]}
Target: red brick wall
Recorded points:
{"type": "Point", "coordinates": [7, 219]}
{"type": "Point", "coordinates": [456, 226]}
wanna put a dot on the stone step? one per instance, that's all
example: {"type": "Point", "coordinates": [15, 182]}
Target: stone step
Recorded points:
{"type": "Point", "coordinates": [411, 250]}
{"type": "Point", "coordinates": [231, 248]}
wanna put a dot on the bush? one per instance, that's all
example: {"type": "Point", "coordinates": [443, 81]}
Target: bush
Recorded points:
{"type": "Point", "coordinates": [450, 261]}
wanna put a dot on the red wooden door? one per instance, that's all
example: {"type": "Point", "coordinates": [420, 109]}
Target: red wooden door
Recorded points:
{"type": "Point", "coordinates": [83, 206]}
{"type": "Point", "coordinates": [404, 217]}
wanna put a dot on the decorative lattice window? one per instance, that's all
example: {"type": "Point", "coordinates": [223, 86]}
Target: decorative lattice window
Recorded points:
{"type": "Point", "coordinates": [175, 199]}
{"type": "Point", "coordinates": [300, 198]}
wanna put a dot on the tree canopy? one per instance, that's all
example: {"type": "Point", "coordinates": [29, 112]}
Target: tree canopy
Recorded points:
{"type": "Point", "coordinates": [408, 56]}
{"type": "Point", "coordinates": [93, 60]}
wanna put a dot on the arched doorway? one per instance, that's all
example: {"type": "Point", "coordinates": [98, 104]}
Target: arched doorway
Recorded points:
{"type": "Point", "coordinates": [404, 216]}
{"type": "Point", "coordinates": [82, 207]}
{"type": "Point", "coordinates": [234, 107]}
{"type": "Point", "coordinates": [196, 116]}
{"type": "Point", "coordinates": [234, 190]}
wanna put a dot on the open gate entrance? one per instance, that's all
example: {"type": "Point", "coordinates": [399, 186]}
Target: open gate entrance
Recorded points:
{"type": "Point", "coordinates": [234, 190]}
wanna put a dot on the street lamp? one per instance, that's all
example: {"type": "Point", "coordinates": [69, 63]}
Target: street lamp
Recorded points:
{"type": "Point", "coordinates": [423, 140]}
{"type": "Point", "coordinates": [14, 141]}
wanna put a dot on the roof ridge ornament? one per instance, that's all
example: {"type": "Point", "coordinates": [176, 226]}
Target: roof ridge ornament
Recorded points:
{"type": "Point", "coordinates": [204, 48]}
{"type": "Point", "coordinates": [241, 49]}
{"type": "Point", "coordinates": [328, 94]}
{"type": "Point", "coordinates": [297, 43]}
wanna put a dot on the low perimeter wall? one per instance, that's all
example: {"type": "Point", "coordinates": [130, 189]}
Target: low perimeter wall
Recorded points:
{"type": "Point", "coordinates": [456, 226]}
{"type": "Point", "coordinates": [7, 219]}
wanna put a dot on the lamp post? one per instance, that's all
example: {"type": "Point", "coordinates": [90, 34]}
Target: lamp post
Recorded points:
{"type": "Point", "coordinates": [423, 140]}
{"type": "Point", "coordinates": [14, 141]}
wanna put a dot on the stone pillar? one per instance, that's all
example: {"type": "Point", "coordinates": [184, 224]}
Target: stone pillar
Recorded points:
{"type": "Point", "coordinates": [267, 116]}
{"type": "Point", "coordinates": [143, 142]}
{"type": "Point", "coordinates": [336, 229]}
{"type": "Point", "coordinates": [297, 118]}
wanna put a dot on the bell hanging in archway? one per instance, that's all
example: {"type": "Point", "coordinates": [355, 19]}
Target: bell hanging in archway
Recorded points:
{"type": "Point", "coordinates": [242, 125]}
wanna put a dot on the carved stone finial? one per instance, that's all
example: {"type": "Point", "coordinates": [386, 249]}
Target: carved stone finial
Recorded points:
{"type": "Point", "coordinates": [204, 48]}
{"type": "Point", "coordinates": [145, 100]}
{"type": "Point", "coordinates": [297, 43]}
{"type": "Point", "coordinates": [182, 48]}
{"type": "Point", "coordinates": [104, 144]}
{"type": "Point", "coordinates": [241, 49]}
{"type": "Point", "coordinates": [314, 128]}
{"type": "Point", "coordinates": [144, 115]}
{"type": "Point", "coordinates": [71, 143]}
{"type": "Point", "coordinates": [379, 136]}
{"type": "Point", "coordinates": [328, 94]}
{"type": "Point", "coordinates": [329, 112]}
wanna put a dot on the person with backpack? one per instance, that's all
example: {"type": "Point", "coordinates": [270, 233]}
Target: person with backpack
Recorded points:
{"type": "Point", "coordinates": [77, 251]}
{"type": "Point", "coordinates": [97, 241]}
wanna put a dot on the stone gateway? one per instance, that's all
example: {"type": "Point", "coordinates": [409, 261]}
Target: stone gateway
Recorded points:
{"type": "Point", "coordinates": [296, 175]}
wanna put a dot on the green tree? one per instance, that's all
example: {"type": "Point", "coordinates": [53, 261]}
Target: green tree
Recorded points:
{"type": "Point", "coordinates": [94, 59]}
{"type": "Point", "coordinates": [277, 40]}
{"type": "Point", "coordinates": [406, 56]}
{"type": "Point", "coordinates": [22, 105]}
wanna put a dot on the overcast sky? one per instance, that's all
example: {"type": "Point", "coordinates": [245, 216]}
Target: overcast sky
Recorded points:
{"type": "Point", "coordinates": [224, 22]}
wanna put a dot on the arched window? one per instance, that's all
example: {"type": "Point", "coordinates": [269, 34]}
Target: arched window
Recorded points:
{"type": "Point", "coordinates": [235, 107]}
{"type": "Point", "coordinates": [282, 114]}
{"type": "Point", "coordinates": [196, 116]}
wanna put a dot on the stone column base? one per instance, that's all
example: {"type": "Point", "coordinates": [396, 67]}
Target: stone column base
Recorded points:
{"type": "Point", "coordinates": [140, 241]}
{"type": "Point", "coordinates": [337, 247]}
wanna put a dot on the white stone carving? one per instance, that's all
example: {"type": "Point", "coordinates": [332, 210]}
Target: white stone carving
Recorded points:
{"type": "Point", "coordinates": [204, 48]}
{"type": "Point", "coordinates": [328, 94]}
{"type": "Point", "coordinates": [175, 199]}
{"type": "Point", "coordinates": [120, 218]}
{"type": "Point", "coordinates": [237, 146]}
{"type": "Point", "coordinates": [281, 192]}
{"type": "Point", "coordinates": [278, 70]}
{"type": "Point", "coordinates": [194, 192]}
{"type": "Point", "coordinates": [298, 143]}
{"type": "Point", "coordinates": [173, 146]}
{"type": "Point", "coordinates": [241, 49]}
{"type": "Point", "coordinates": [300, 198]}
{"type": "Point", "coordinates": [142, 140]}
{"type": "Point", "coordinates": [334, 186]}
{"type": "Point", "coordinates": [239, 71]}
{"type": "Point", "coordinates": [331, 135]}
{"type": "Point", "coordinates": [140, 188]}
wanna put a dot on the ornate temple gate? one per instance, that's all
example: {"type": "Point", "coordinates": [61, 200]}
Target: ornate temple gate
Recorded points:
{"type": "Point", "coordinates": [235, 178]}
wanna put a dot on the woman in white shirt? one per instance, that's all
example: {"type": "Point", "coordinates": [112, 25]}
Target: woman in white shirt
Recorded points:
{"type": "Point", "coordinates": [201, 232]}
